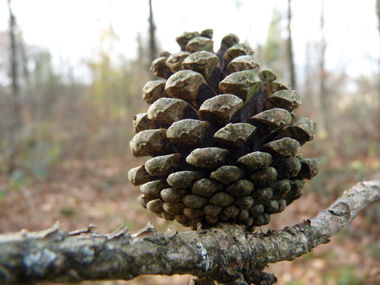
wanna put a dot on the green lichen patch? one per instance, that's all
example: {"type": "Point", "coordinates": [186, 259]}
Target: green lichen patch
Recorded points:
{"type": "Point", "coordinates": [187, 131]}
{"type": "Point", "coordinates": [184, 179]}
{"type": "Point", "coordinates": [234, 135]}
{"type": "Point", "coordinates": [184, 85]}
{"type": "Point", "coordinates": [184, 39]}
{"type": "Point", "coordinates": [267, 75]}
{"type": "Point", "coordinates": [240, 188]}
{"type": "Point", "coordinates": [255, 161]}
{"type": "Point", "coordinates": [163, 165]}
{"type": "Point", "coordinates": [282, 148]}
{"type": "Point", "coordinates": [286, 99]}
{"type": "Point", "coordinates": [281, 188]}
{"type": "Point", "coordinates": [271, 120]}
{"type": "Point", "coordinates": [173, 195]}
{"type": "Point", "coordinates": [237, 50]}
{"type": "Point", "coordinates": [203, 62]}
{"type": "Point", "coordinates": [276, 85]}
{"type": "Point", "coordinates": [227, 174]}
{"type": "Point", "coordinates": [206, 187]}
{"type": "Point", "coordinates": [138, 175]}
{"type": "Point", "coordinates": [242, 84]}
{"type": "Point", "coordinates": [150, 142]}
{"type": "Point", "coordinates": [166, 111]}
{"type": "Point", "coordinates": [264, 178]}
{"type": "Point", "coordinates": [288, 168]}
{"type": "Point", "coordinates": [174, 61]}
{"type": "Point", "coordinates": [152, 189]}
{"type": "Point", "coordinates": [160, 69]}
{"type": "Point", "coordinates": [209, 157]}
{"type": "Point", "coordinates": [142, 123]}
{"type": "Point", "coordinates": [195, 201]}
{"type": "Point", "coordinates": [222, 199]}
{"type": "Point", "coordinates": [154, 90]}
{"type": "Point", "coordinates": [199, 44]}
{"type": "Point", "coordinates": [262, 196]}
{"type": "Point", "coordinates": [302, 130]}
{"type": "Point", "coordinates": [173, 208]}
{"type": "Point", "coordinates": [244, 62]}
{"type": "Point", "coordinates": [220, 108]}
{"type": "Point", "coordinates": [309, 168]}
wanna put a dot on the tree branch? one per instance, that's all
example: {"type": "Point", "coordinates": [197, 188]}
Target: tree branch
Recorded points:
{"type": "Point", "coordinates": [228, 253]}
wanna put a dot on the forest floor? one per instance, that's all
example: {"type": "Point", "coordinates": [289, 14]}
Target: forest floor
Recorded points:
{"type": "Point", "coordinates": [79, 193]}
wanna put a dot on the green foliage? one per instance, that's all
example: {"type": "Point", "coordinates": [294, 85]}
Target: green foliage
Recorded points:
{"type": "Point", "coordinates": [272, 52]}
{"type": "Point", "coordinates": [372, 214]}
{"type": "Point", "coordinates": [130, 225]}
{"type": "Point", "coordinates": [273, 43]}
{"type": "Point", "coordinates": [3, 194]}
{"type": "Point", "coordinates": [308, 256]}
{"type": "Point", "coordinates": [18, 178]}
{"type": "Point", "coordinates": [330, 255]}
{"type": "Point", "coordinates": [67, 211]}
{"type": "Point", "coordinates": [374, 250]}
{"type": "Point", "coordinates": [342, 235]}
{"type": "Point", "coordinates": [347, 276]}
{"type": "Point", "coordinates": [112, 85]}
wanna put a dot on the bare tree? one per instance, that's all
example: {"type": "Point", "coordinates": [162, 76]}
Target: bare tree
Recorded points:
{"type": "Point", "coordinates": [152, 31]}
{"type": "Point", "coordinates": [378, 27]}
{"type": "Point", "coordinates": [290, 48]}
{"type": "Point", "coordinates": [14, 64]}
{"type": "Point", "coordinates": [14, 118]}
{"type": "Point", "coordinates": [323, 96]}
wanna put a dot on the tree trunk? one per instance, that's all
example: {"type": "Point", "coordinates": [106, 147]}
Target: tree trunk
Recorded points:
{"type": "Point", "coordinates": [290, 49]}
{"type": "Point", "coordinates": [324, 108]}
{"type": "Point", "coordinates": [378, 27]}
{"type": "Point", "coordinates": [15, 121]}
{"type": "Point", "coordinates": [15, 102]}
{"type": "Point", "coordinates": [152, 31]}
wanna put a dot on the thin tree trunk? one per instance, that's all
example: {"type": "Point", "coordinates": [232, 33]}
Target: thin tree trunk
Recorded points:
{"type": "Point", "coordinates": [308, 79]}
{"type": "Point", "coordinates": [290, 49]}
{"type": "Point", "coordinates": [378, 27]}
{"type": "Point", "coordinates": [15, 102]}
{"type": "Point", "coordinates": [14, 123]}
{"type": "Point", "coordinates": [323, 96]}
{"type": "Point", "coordinates": [152, 31]}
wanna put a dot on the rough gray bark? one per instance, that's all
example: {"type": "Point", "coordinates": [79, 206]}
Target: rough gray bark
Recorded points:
{"type": "Point", "coordinates": [227, 254]}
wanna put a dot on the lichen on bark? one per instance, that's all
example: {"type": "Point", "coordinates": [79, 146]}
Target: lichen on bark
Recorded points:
{"type": "Point", "coordinates": [228, 253]}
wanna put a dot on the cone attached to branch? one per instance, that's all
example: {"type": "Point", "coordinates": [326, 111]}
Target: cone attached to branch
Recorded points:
{"type": "Point", "coordinates": [222, 136]}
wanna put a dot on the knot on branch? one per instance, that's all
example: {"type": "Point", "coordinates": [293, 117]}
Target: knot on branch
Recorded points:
{"type": "Point", "coordinates": [340, 209]}
{"type": "Point", "coordinates": [227, 253]}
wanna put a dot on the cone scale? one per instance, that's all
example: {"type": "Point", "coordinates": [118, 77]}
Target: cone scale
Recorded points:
{"type": "Point", "coordinates": [222, 137]}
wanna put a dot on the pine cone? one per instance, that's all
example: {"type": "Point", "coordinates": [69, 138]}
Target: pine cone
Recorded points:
{"type": "Point", "coordinates": [224, 139]}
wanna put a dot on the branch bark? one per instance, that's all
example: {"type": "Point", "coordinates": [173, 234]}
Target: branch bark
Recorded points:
{"type": "Point", "coordinates": [227, 254]}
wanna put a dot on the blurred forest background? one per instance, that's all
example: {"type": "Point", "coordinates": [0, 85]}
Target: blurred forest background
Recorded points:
{"type": "Point", "coordinates": [66, 121]}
